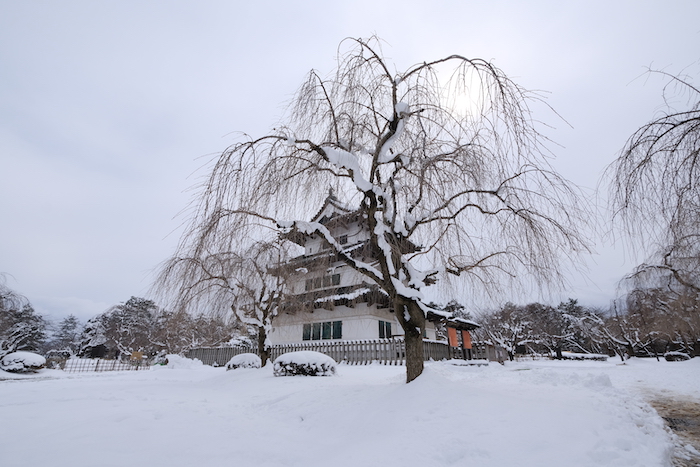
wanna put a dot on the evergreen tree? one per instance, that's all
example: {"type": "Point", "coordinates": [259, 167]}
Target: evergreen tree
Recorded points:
{"type": "Point", "coordinates": [67, 335]}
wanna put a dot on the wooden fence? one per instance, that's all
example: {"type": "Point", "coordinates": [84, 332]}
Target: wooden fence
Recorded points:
{"type": "Point", "coordinates": [83, 365]}
{"type": "Point", "coordinates": [218, 356]}
{"type": "Point", "coordinates": [358, 352]}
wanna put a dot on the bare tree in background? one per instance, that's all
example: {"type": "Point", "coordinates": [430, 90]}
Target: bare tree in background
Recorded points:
{"type": "Point", "coordinates": [509, 328]}
{"type": "Point", "coordinates": [443, 161]}
{"type": "Point", "coordinates": [226, 281]}
{"type": "Point", "coordinates": [656, 189]}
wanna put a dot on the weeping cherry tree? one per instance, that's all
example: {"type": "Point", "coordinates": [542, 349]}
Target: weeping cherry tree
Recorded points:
{"type": "Point", "coordinates": [227, 282]}
{"type": "Point", "coordinates": [655, 190]}
{"type": "Point", "coordinates": [444, 156]}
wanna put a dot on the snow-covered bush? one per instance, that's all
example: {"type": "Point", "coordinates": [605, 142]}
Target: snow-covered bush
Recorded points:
{"type": "Point", "coordinates": [22, 362]}
{"type": "Point", "coordinates": [175, 361]}
{"type": "Point", "coordinates": [583, 356]}
{"type": "Point", "coordinates": [306, 363]}
{"type": "Point", "coordinates": [244, 360]}
{"type": "Point", "coordinates": [676, 356]}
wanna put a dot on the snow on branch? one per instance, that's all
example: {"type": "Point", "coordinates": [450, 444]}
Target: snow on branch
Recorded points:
{"type": "Point", "coordinates": [402, 111]}
{"type": "Point", "coordinates": [347, 160]}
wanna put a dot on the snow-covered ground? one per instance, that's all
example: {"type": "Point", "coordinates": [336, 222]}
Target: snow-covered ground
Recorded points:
{"type": "Point", "coordinates": [527, 414]}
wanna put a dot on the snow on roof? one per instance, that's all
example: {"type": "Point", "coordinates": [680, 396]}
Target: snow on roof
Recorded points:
{"type": "Point", "coordinates": [346, 296]}
{"type": "Point", "coordinates": [331, 210]}
{"type": "Point", "coordinates": [332, 207]}
{"type": "Point", "coordinates": [462, 324]}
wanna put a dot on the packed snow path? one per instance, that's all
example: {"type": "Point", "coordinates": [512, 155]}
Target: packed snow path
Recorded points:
{"type": "Point", "coordinates": [525, 414]}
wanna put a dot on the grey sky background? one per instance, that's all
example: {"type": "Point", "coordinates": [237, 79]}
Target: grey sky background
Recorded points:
{"type": "Point", "coordinates": [108, 111]}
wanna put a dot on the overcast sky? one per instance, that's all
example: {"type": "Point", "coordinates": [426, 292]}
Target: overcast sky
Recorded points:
{"type": "Point", "coordinates": [108, 110]}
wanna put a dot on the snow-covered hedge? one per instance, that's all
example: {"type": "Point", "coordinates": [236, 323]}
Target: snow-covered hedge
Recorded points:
{"type": "Point", "coordinates": [583, 356]}
{"type": "Point", "coordinates": [306, 363]}
{"type": "Point", "coordinates": [676, 356]}
{"type": "Point", "coordinates": [22, 362]}
{"type": "Point", "coordinates": [244, 360]}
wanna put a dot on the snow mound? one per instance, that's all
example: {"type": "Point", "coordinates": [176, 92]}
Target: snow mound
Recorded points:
{"type": "Point", "coordinates": [181, 363]}
{"type": "Point", "coordinates": [460, 362]}
{"type": "Point", "coordinates": [244, 360]}
{"type": "Point", "coordinates": [22, 362]}
{"type": "Point", "coordinates": [306, 363]}
{"type": "Point", "coordinates": [676, 356]}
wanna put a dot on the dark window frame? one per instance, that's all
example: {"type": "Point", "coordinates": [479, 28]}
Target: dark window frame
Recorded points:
{"type": "Point", "coordinates": [326, 330]}
{"type": "Point", "coordinates": [322, 282]}
{"type": "Point", "coordinates": [384, 329]}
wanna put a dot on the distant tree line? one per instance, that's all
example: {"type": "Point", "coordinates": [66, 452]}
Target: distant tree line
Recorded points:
{"type": "Point", "coordinates": [647, 322]}
{"type": "Point", "coordinates": [137, 325]}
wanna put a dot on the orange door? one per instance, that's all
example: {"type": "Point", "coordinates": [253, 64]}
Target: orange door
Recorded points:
{"type": "Point", "coordinates": [452, 337]}
{"type": "Point", "coordinates": [467, 340]}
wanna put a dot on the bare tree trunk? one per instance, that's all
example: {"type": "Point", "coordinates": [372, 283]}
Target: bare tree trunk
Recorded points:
{"type": "Point", "coordinates": [557, 352]}
{"type": "Point", "coordinates": [412, 320]}
{"type": "Point", "coordinates": [414, 355]}
{"type": "Point", "coordinates": [263, 350]}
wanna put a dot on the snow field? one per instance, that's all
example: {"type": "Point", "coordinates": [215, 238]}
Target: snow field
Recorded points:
{"type": "Point", "coordinates": [524, 414]}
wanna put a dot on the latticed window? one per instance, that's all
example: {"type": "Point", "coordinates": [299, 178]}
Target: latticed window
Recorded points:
{"type": "Point", "coordinates": [384, 330]}
{"type": "Point", "coordinates": [322, 282]}
{"type": "Point", "coordinates": [325, 330]}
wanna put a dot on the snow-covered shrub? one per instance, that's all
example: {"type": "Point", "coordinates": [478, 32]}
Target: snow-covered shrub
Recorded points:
{"type": "Point", "coordinates": [175, 361]}
{"type": "Point", "coordinates": [676, 356]}
{"type": "Point", "coordinates": [244, 360]}
{"type": "Point", "coordinates": [306, 363]}
{"type": "Point", "coordinates": [160, 359]}
{"type": "Point", "coordinates": [22, 362]}
{"type": "Point", "coordinates": [583, 356]}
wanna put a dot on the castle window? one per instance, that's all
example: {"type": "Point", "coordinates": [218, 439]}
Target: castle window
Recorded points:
{"type": "Point", "coordinates": [322, 282]}
{"type": "Point", "coordinates": [337, 329]}
{"type": "Point", "coordinates": [384, 330]}
{"type": "Point", "coordinates": [325, 330]}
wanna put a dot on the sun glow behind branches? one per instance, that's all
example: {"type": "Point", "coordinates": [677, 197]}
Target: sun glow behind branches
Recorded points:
{"type": "Point", "coordinates": [462, 92]}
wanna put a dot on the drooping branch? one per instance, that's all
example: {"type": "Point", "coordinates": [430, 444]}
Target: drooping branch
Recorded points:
{"type": "Point", "coordinates": [655, 189]}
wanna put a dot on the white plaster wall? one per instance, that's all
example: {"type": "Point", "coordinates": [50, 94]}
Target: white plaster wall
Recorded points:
{"type": "Point", "coordinates": [348, 277]}
{"type": "Point", "coordinates": [360, 322]}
